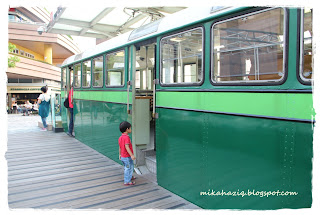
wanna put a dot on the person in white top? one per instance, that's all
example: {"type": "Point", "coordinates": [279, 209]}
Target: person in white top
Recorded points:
{"type": "Point", "coordinates": [44, 106]}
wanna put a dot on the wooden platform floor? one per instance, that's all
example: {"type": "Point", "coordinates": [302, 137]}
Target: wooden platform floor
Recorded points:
{"type": "Point", "coordinates": [48, 170]}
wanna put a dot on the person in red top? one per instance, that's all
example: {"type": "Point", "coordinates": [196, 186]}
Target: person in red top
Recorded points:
{"type": "Point", "coordinates": [126, 153]}
{"type": "Point", "coordinates": [71, 111]}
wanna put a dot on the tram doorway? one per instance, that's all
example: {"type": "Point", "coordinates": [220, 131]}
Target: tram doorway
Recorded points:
{"type": "Point", "coordinates": [143, 133]}
{"type": "Point", "coordinates": [66, 88]}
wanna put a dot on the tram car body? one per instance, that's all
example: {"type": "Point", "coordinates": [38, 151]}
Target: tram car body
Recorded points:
{"type": "Point", "coordinates": [220, 97]}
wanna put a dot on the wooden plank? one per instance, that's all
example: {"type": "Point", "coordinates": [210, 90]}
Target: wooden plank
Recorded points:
{"type": "Point", "coordinates": [90, 191]}
{"type": "Point", "coordinates": [95, 198]}
{"type": "Point", "coordinates": [133, 203]}
{"type": "Point", "coordinates": [45, 180]}
{"type": "Point", "coordinates": [51, 170]}
{"type": "Point", "coordinates": [172, 204]}
{"type": "Point", "coordinates": [61, 183]}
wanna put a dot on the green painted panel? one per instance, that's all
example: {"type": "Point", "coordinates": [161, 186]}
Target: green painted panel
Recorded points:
{"type": "Point", "coordinates": [200, 152]}
{"type": "Point", "coordinates": [105, 96]}
{"type": "Point", "coordinates": [97, 125]}
{"type": "Point", "coordinates": [297, 106]}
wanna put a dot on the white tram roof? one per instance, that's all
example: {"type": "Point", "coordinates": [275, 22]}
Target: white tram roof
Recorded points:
{"type": "Point", "coordinates": [181, 18]}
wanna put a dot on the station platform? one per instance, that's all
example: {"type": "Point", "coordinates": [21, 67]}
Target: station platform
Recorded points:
{"type": "Point", "coordinates": [48, 170]}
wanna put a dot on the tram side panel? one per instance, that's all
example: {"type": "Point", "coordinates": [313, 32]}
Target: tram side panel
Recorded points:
{"type": "Point", "coordinates": [200, 154]}
{"type": "Point", "coordinates": [97, 125]}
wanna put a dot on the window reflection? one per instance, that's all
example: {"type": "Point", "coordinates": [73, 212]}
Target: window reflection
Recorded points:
{"type": "Point", "coordinates": [115, 68]}
{"type": "Point", "coordinates": [97, 78]}
{"type": "Point", "coordinates": [249, 48]}
{"type": "Point", "coordinates": [86, 73]}
{"type": "Point", "coordinates": [77, 74]}
{"type": "Point", "coordinates": [182, 57]}
{"type": "Point", "coordinates": [306, 72]}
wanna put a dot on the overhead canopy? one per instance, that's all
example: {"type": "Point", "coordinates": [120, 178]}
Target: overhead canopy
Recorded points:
{"type": "Point", "coordinates": [104, 23]}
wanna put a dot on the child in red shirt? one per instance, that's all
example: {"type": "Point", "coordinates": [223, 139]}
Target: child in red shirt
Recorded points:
{"type": "Point", "coordinates": [126, 152]}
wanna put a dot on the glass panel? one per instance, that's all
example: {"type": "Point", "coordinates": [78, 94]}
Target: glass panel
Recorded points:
{"type": "Point", "coordinates": [71, 76]}
{"type": "Point", "coordinates": [63, 79]}
{"type": "Point", "coordinates": [97, 78]}
{"type": "Point", "coordinates": [115, 68]}
{"type": "Point", "coordinates": [77, 74]}
{"type": "Point", "coordinates": [86, 73]}
{"type": "Point", "coordinates": [144, 80]}
{"type": "Point", "coordinates": [13, 80]}
{"type": "Point", "coordinates": [145, 61]}
{"type": "Point", "coordinates": [180, 50]}
{"type": "Point", "coordinates": [23, 80]}
{"type": "Point", "coordinates": [249, 48]}
{"type": "Point", "coordinates": [306, 73]}
{"type": "Point", "coordinates": [144, 30]}
{"type": "Point", "coordinates": [114, 78]}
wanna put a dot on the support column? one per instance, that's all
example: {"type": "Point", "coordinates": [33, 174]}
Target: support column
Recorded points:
{"type": "Point", "coordinates": [9, 101]}
{"type": "Point", "coordinates": [48, 53]}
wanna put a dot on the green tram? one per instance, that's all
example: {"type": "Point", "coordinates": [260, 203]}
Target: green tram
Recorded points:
{"type": "Point", "coordinates": [220, 98]}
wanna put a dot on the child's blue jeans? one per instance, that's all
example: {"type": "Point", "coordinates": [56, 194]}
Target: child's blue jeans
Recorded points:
{"type": "Point", "coordinates": [128, 169]}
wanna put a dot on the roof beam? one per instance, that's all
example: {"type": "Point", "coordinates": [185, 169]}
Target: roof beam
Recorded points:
{"type": "Point", "coordinates": [93, 22]}
{"type": "Point", "coordinates": [83, 24]}
{"type": "Point", "coordinates": [101, 15]}
{"type": "Point", "coordinates": [107, 33]}
{"type": "Point", "coordinates": [57, 16]}
{"type": "Point", "coordinates": [76, 33]}
{"type": "Point", "coordinates": [169, 9]}
{"type": "Point", "coordinates": [104, 29]}
{"type": "Point", "coordinates": [133, 21]}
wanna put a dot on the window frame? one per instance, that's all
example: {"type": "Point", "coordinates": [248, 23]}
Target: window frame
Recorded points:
{"type": "Point", "coordinates": [183, 84]}
{"type": "Point", "coordinates": [285, 50]}
{"type": "Point", "coordinates": [63, 77]}
{"type": "Point", "coordinates": [82, 62]}
{"type": "Point", "coordinates": [300, 58]}
{"type": "Point", "coordinates": [103, 69]}
{"type": "Point", "coordinates": [74, 75]}
{"type": "Point", "coordinates": [123, 76]}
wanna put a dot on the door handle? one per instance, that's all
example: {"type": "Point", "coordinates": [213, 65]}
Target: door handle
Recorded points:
{"type": "Point", "coordinates": [154, 114]}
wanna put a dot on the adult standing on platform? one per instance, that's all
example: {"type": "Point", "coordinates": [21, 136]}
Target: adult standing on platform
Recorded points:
{"type": "Point", "coordinates": [44, 104]}
{"type": "Point", "coordinates": [70, 132]}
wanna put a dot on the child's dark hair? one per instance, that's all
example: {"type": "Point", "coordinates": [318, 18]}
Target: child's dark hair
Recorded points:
{"type": "Point", "coordinates": [44, 89]}
{"type": "Point", "coordinates": [124, 126]}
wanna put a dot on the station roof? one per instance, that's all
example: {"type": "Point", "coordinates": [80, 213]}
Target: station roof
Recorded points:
{"type": "Point", "coordinates": [104, 23]}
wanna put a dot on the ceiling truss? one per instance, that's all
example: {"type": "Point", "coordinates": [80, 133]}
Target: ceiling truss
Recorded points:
{"type": "Point", "coordinates": [99, 30]}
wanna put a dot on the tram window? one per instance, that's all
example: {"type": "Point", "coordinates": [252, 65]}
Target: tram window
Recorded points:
{"type": "Point", "coordinates": [63, 78]}
{"type": "Point", "coordinates": [306, 69]}
{"type": "Point", "coordinates": [70, 75]}
{"type": "Point", "coordinates": [86, 73]}
{"type": "Point", "coordinates": [115, 68]}
{"type": "Point", "coordinates": [97, 70]}
{"type": "Point", "coordinates": [249, 48]}
{"type": "Point", "coordinates": [77, 75]}
{"type": "Point", "coordinates": [182, 57]}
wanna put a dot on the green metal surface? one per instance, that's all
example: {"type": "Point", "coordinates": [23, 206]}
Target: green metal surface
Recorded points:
{"type": "Point", "coordinates": [200, 152]}
{"type": "Point", "coordinates": [104, 96]}
{"type": "Point", "coordinates": [297, 106]}
{"type": "Point", "coordinates": [96, 124]}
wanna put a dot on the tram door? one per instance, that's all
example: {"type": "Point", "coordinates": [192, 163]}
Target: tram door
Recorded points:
{"type": "Point", "coordinates": [143, 123]}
